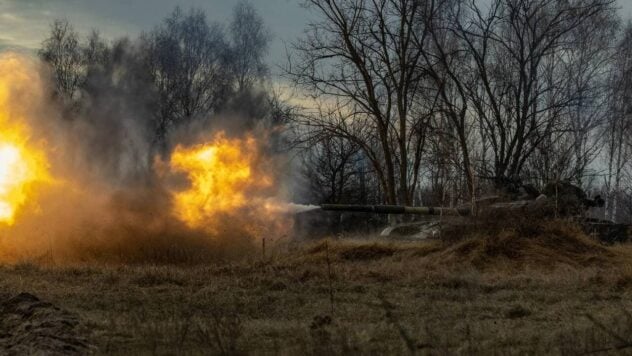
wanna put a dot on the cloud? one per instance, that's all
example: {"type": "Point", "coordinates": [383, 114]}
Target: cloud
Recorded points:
{"type": "Point", "coordinates": [25, 23]}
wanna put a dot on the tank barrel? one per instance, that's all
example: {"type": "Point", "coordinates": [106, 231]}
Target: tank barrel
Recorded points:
{"type": "Point", "coordinates": [396, 209]}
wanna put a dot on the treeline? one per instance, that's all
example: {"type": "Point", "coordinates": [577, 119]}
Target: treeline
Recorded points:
{"type": "Point", "coordinates": [142, 90]}
{"type": "Point", "coordinates": [420, 102]}
{"type": "Point", "coordinates": [437, 102]}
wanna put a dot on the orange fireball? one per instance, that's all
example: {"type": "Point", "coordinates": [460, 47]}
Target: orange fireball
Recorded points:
{"type": "Point", "coordinates": [21, 165]}
{"type": "Point", "coordinates": [222, 177]}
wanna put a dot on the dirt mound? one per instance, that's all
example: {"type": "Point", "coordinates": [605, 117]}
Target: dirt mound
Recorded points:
{"type": "Point", "coordinates": [29, 326]}
{"type": "Point", "coordinates": [541, 244]}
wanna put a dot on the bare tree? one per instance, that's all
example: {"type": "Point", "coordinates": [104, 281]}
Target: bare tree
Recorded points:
{"type": "Point", "coordinates": [249, 46]}
{"type": "Point", "coordinates": [587, 64]}
{"type": "Point", "coordinates": [62, 51]}
{"type": "Point", "coordinates": [96, 51]}
{"type": "Point", "coordinates": [361, 61]}
{"type": "Point", "coordinates": [332, 168]}
{"type": "Point", "coordinates": [187, 60]}
{"type": "Point", "coordinates": [514, 49]}
{"type": "Point", "coordinates": [619, 125]}
{"type": "Point", "coordinates": [448, 65]}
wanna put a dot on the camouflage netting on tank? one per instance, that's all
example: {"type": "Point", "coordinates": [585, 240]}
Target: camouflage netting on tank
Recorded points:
{"type": "Point", "coordinates": [29, 326]}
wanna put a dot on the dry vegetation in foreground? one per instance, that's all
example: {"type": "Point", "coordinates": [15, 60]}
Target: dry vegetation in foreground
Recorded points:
{"type": "Point", "coordinates": [551, 290]}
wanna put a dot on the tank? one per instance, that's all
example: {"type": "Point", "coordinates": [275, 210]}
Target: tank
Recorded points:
{"type": "Point", "coordinates": [562, 199]}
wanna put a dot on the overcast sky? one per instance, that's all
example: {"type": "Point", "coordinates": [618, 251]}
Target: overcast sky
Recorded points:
{"type": "Point", "coordinates": [24, 23]}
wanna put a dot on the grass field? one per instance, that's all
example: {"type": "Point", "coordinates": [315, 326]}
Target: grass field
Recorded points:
{"type": "Point", "coordinates": [475, 296]}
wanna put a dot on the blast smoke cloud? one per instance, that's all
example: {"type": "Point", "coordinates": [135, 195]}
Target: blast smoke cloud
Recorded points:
{"type": "Point", "coordinates": [106, 201]}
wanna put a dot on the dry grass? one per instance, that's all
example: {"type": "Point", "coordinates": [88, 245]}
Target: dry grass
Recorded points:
{"type": "Point", "coordinates": [554, 291]}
